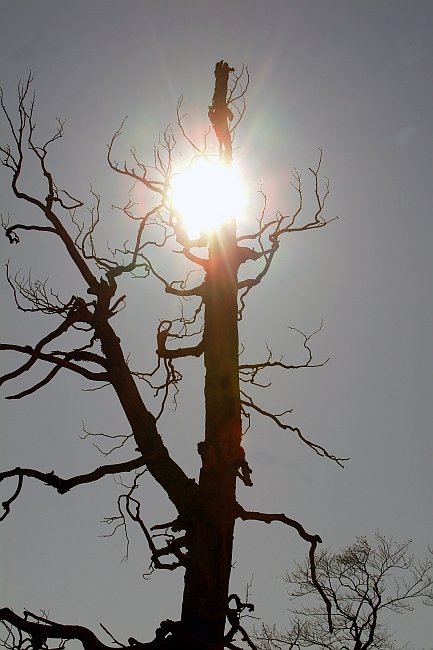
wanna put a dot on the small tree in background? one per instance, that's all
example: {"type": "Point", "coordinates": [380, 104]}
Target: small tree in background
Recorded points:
{"type": "Point", "coordinates": [362, 583]}
{"type": "Point", "coordinates": [200, 538]}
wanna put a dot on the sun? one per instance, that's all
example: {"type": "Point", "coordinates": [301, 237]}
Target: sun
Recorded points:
{"type": "Point", "coordinates": [205, 195]}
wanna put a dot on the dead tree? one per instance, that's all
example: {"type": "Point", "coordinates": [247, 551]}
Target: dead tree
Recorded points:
{"type": "Point", "coordinates": [200, 539]}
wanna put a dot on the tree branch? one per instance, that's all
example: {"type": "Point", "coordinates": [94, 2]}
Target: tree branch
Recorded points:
{"type": "Point", "coordinates": [53, 358]}
{"type": "Point", "coordinates": [320, 451]}
{"type": "Point", "coordinates": [158, 187]}
{"type": "Point", "coordinates": [23, 133]}
{"type": "Point", "coordinates": [43, 629]}
{"type": "Point", "coordinates": [173, 546]}
{"type": "Point", "coordinates": [312, 539]}
{"type": "Point", "coordinates": [249, 371]}
{"type": "Point", "coordinates": [10, 231]}
{"type": "Point", "coordinates": [163, 353]}
{"type": "Point", "coordinates": [196, 291]}
{"type": "Point", "coordinates": [64, 485]}
{"type": "Point", "coordinates": [46, 380]}
{"type": "Point", "coordinates": [63, 327]}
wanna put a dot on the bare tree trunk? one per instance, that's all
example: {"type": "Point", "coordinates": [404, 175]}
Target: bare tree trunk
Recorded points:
{"type": "Point", "coordinates": [210, 538]}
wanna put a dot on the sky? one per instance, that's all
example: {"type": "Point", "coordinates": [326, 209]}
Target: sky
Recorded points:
{"type": "Point", "coordinates": [351, 78]}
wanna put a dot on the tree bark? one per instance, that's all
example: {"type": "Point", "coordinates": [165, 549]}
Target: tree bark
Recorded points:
{"type": "Point", "coordinates": [210, 536]}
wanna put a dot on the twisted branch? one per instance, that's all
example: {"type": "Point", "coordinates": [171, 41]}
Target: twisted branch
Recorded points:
{"type": "Point", "coordinates": [312, 539]}
{"type": "Point", "coordinates": [64, 485]}
{"type": "Point", "coordinates": [44, 629]}
{"type": "Point", "coordinates": [320, 451]}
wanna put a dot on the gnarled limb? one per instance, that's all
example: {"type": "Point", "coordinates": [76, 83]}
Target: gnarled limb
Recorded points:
{"type": "Point", "coordinates": [236, 96]}
{"type": "Point", "coordinates": [268, 518]}
{"type": "Point", "coordinates": [63, 327]}
{"type": "Point", "coordinates": [248, 371]}
{"type": "Point", "coordinates": [112, 268]}
{"type": "Point", "coordinates": [23, 137]}
{"type": "Point", "coordinates": [42, 629]}
{"type": "Point", "coordinates": [169, 288]}
{"type": "Point", "coordinates": [11, 234]}
{"type": "Point", "coordinates": [234, 617]}
{"type": "Point", "coordinates": [55, 359]}
{"type": "Point", "coordinates": [173, 546]}
{"type": "Point", "coordinates": [64, 485]}
{"type": "Point", "coordinates": [249, 283]}
{"type": "Point", "coordinates": [163, 353]}
{"type": "Point", "coordinates": [7, 504]}
{"type": "Point", "coordinates": [200, 151]}
{"type": "Point", "coordinates": [283, 224]}
{"type": "Point", "coordinates": [36, 294]}
{"type": "Point", "coordinates": [29, 391]}
{"type": "Point", "coordinates": [186, 251]}
{"type": "Point", "coordinates": [123, 436]}
{"type": "Point", "coordinates": [248, 402]}
{"type": "Point", "coordinates": [286, 223]}
{"type": "Point", "coordinates": [157, 186]}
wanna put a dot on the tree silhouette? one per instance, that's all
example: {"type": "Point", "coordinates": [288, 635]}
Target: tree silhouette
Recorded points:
{"type": "Point", "coordinates": [363, 582]}
{"type": "Point", "coordinates": [200, 538]}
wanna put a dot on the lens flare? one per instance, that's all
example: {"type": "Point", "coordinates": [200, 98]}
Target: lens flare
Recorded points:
{"type": "Point", "coordinates": [205, 195]}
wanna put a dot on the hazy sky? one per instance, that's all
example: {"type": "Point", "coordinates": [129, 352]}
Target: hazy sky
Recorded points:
{"type": "Point", "coordinates": [354, 78]}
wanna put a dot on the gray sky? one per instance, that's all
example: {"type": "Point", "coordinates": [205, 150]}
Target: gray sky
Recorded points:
{"type": "Point", "coordinates": [353, 78]}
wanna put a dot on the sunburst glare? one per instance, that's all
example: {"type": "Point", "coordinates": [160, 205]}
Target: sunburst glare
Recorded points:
{"type": "Point", "coordinates": [207, 194]}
